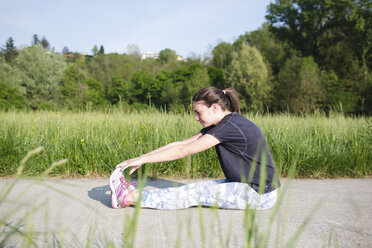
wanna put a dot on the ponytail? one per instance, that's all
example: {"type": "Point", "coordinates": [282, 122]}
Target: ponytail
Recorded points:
{"type": "Point", "coordinates": [233, 98]}
{"type": "Point", "coordinates": [227, 99]}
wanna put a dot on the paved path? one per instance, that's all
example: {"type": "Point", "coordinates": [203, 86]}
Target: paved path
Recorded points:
{"type": "Point", "coordinates": [74, 212]}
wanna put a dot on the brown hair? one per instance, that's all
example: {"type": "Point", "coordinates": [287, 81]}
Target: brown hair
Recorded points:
{"type": "Point", "coordinates": [228, 98]}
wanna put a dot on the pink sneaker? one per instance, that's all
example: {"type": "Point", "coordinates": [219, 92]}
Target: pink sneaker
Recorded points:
{"type": "Point", "coordinates": [119, 189]}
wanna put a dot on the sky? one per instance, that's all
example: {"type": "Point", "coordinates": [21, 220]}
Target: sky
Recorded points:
{"type": "Point", "coordinates": [190, 28]}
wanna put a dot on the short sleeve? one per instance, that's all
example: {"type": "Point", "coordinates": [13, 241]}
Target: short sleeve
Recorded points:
{"type": "Point", "coordinates": [206, 130]}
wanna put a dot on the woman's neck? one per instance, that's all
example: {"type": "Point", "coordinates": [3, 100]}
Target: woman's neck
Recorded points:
{"type": "Point", "coordinates": [221, 115]}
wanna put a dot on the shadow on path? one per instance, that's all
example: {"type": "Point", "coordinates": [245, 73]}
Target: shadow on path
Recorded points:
{"type": "Point", "coordinates": [162, 183]}
{"type": "Point", "coordinates": [103, 193]}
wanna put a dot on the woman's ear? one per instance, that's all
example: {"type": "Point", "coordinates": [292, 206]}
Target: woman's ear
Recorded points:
{"type": "Point", "coordinates": [214, 107]}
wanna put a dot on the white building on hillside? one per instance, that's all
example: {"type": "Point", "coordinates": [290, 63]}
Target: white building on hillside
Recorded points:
{"type": "Point", "coordinates": [147, 55]}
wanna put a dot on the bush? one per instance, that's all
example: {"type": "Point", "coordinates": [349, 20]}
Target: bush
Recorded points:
{"type": "Point", "coordinates": [10, 98]}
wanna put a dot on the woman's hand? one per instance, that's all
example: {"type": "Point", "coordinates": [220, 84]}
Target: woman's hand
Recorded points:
{"type": "Point", "coordinates": [134, 163]}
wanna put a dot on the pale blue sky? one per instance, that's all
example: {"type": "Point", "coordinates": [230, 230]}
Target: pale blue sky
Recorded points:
{"type": "Point", "coordinates": [187, 27]}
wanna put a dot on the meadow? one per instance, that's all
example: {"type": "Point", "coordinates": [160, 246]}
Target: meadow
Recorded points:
{"type": "Point", "coordinates": [321, 146]}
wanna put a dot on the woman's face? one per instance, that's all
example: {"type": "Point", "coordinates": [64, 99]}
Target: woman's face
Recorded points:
{"type": "Point", "coordinates": [204, 114]}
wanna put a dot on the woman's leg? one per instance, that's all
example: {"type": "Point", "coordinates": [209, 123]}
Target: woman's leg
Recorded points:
{"type": "Point", "coordinates": [211, 193]}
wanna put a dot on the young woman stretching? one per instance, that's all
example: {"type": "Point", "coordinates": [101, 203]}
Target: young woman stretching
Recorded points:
{"type": "Point", "coordinates": [242, 151]}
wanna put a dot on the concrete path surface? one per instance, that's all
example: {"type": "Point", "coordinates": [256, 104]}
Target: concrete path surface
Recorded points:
{"type": "Point", "coordinates": [77, 213]}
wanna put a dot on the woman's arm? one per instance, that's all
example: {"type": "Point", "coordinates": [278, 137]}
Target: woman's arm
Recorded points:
{"type": "Point", "coordinates": [188, 140]}
{"type": "Point", "coordinates": [172, 151]}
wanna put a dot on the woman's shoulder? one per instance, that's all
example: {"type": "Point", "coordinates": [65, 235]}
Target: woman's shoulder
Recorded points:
{"type": "Point", "coordinates": [243, 122]}
{"type": "Point", "coordinates": [236, 117]}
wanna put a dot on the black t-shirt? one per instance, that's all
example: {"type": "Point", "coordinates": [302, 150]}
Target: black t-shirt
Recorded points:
{"type": "Point", "coordinates": [243, 148]}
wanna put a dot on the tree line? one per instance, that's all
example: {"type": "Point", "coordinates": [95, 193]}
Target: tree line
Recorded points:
{"type": "Point", "coordinates": [309, 55]}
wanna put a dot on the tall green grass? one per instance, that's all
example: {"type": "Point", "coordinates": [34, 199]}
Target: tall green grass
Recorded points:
{"type": "Point", "coordinates": [95, 142]}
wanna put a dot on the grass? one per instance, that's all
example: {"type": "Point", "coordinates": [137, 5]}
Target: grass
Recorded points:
{"type": "Point", "coordinates": [94, 142]}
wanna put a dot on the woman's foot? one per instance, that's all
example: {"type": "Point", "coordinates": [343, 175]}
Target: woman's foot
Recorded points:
{"type": "Point", "coordinates": [121, 191]}
{"type": "Point", "coordinates": [132, 197]}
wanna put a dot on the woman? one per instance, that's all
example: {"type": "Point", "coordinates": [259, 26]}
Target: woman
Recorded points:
{"type": "Point", "coordinates": [242, 151]}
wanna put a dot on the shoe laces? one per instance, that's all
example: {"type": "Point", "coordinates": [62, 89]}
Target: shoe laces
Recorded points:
{"type": "Point", "coordinates": [124, 185]}
{"type": "Point", "coordinates": [123, 190]}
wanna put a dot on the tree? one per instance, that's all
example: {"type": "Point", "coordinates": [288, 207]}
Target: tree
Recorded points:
{"type": "Point", "coordinates": [142, 84]}
{"type": "Point", "coordinates": [41, 73]}
{"type": "Point", "coordinates": [10, 97]}
{"type": "Point", "coordinates": [65, 50]}
{"type": "Point", "coordinates": [101, 50]}
{"type": "Point", "coordinates": [35, 40]}
{"type": "Point", "coordinates": [45, 43]}
{"type": "Point", "coordinates": [72, 86]}
{"type": "Point", "coordinates": [312, 26]}
{"type": "Point", "coordinates": [352, 20]}
{"type": "Point", "coordinates": [185, 80]}
{"type": "Point", "coordinates": [217, 77]}
{"type": "Point", "coordinates": [10, 90]}
{"type": "Point", "coordinates": [94, 93]}
{"type": "Point", "coordinates": [10, 51]}
{"type": "Point", "coordinates": [337, 35]}
{"type": "Point", "coordinates": [249, 75]}
{"type": "Point", "coordinates": [299, 86]}
{"type": "Point", "coordinates": [118, 90]}
{"type": "Point", "coordinates": [167, 55]}
{"type": "Point", "coordinates": [301, 23]}
{"type": "Point", "coordinates": [222, 55]}
{"type": "Point", "coordinates": [337, 95]}
{"type": "Point", "coordinates": [273, 51]}
{"type": "Point", "coordinates": [10, 76]}
{"type": "Point", "coordinates": [165, 86]}
{"type": "Point", "coordinates": [95, 50]}
{"type": "Point", "coordinates": [133, 49]}
{"type": "Point", "coordinates": [197, 79]}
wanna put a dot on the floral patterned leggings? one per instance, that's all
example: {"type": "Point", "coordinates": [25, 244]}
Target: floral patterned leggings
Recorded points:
{"type": "Point", "coordinates": [220, 193]}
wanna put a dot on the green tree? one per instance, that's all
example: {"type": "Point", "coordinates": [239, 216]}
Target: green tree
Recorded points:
{"type": "Point", "coordinates": [299, 87]}
{"type": "Point", "coordinates": [166, 89]}
{"type": "Point", "coordinates": [339, 97]}
{"type": "Point", "coordinates": [167, 55]}
{"type": "Point", "coordinates": [101, 50]}
{"type": "Point", "coordinates": [35, 40]}
{"type": "Point", "coordinates": [198, 78]}
{"type": "Point", "coordinates": [301, 23]}
{"type": "Point", "coordinates": [182, 82]}
{"type": "Point", "coordinates": [142, 87]}
{"type": "Point", "coordinates": [41, 73]}
{"type": "Point", "coordinates": [312, 26]}
{"type": "Point", "coordinates": [249, 75]}
{"type": "Point", "coordinates": [118, 90]}
{"type": "Point", "coordinates": [10, 87]}
{"type": "Point", "coordinates": [350, 89]}
{"type": "Point", "coordinates": [94, 93]}
{"type": "Point", "coordinates": [10, 51]}
{"type": "Point", "coordinates": [366, 105]}
{"type": "Point", "coordinates": [352, 22]}
{"type": "Point", "coordinates": [10, 76]}
{"type": "Point", "coordinates": [95, 50]}
{"type": "Point", "coordinates": [45, 43]}
{"type": "Point", "coordinates": [217, 77]}
{"type": "Point", "coordinates": [72, 86]}
{"type": "Point", "coordinates": [10, 98]}
{"type": "Point", "coordinates": [222, 55]}
{"type": "Point", "coordinates": [337, 35]}
{"type": "Point", "coordinates": [272, 50]}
